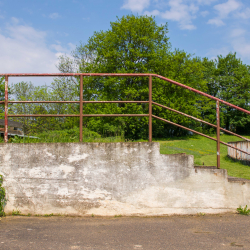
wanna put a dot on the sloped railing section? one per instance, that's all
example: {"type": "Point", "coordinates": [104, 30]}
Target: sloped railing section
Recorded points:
{"type": "Point", "coordinates": [6, 102]}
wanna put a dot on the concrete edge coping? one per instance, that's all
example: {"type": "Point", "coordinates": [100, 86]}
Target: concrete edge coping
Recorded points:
{"type": "Point", "coordinates": [205, 167]}
{"type": "Point", "coordinates": [236, 179]}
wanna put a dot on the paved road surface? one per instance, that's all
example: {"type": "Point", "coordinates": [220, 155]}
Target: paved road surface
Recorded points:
{"type": "Point", "coordinates": [230, 231]}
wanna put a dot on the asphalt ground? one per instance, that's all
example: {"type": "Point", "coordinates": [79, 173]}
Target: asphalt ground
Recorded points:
{"type": "Point", "coordinates": [228, 231]}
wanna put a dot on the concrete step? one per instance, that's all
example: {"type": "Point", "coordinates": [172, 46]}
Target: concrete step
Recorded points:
{"type": "Point", "coordinates": [230, 178]}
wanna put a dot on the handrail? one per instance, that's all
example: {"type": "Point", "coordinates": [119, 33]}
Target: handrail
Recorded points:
{"type": "Point", "coordinates": [196, 132]}
{"type": "Point", "coordinates": [74, 115]}
{"type": "Point", "coordinates": [199, 120]}
{"type": "Point", "coordinates": [125, 75]}
{"type": "Point", "coordinates": [202, 93]}
{"type": "Point", "coordinates": [150, 102]}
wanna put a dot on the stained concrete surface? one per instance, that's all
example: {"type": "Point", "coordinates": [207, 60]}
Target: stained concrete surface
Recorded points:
{"type": "Point", "coordinates": [107, 179]}
{"type": "Point", "coordinates": [228, 231]}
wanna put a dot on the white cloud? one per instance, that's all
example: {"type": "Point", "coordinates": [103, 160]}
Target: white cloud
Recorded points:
{"type": "Point", "coordinates": [152, 13]}
{"type": "Point", "coordinates": [204, 13]}
{"type": "Point", "coordinates": [181, 13]}
{"type": "Point", "coordinates": [216, 21]}
{"type": "Point", "coordinates": [237, 32]}
{"type": "Point", "coordinates": [226, 8]}
{"type": "Point", "coordinates": [54, 15]}
{"type": "Point", "coordinates": [184, 12]}
{"type": "Point", "coordinates": [136, 5]}
{"type": "Point", "coordinates": [240, 43]}
{"type": "Point", "coordinates": [213, 53]}
{"type": "Point", "coordinates": [237, 42]}
{"type": "Point", "coordinates": [24, 50]}
{"type": "Point", "coordinates": [59, 48]}
{"type": "Point", "coordinates": [205, 2]}
{"type": "Point", "coordinates": [223, 10]}
{"type": "Point", "coordinates": [245, 14]}
{"type": "Point", "coordinates": [242, 48]}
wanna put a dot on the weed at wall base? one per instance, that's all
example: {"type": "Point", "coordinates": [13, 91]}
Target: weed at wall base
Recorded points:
{"type": "Point", "coordinates": [16, 213]}
{"type": "Point", "coordinates": [243, 211]}
{"type": "Point", "coordinates": [3, 200]}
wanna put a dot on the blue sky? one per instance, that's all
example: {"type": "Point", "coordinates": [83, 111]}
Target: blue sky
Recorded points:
{"type": "Point", "coordinates": [34, 33]}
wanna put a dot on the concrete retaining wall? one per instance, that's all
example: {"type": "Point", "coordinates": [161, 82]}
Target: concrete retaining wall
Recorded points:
{"type": "Point", "coordinates": [112, 179]}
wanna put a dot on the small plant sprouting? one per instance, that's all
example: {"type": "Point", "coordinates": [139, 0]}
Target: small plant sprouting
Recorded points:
{"type": "Point", "coordinates": [48, 215]}
{"type": "Point", "coordinates": [92, 215]}
{"type": "Point", "coordinates": [3, 200]}
{"type": "Point", "coordinates": [119, 215]}
{"type": "Point", "coordinates": [201, 214]}
{"type": "Point", "coordinates": [243, 211]}
{"type": "Point", "coordinates": [16, 212]}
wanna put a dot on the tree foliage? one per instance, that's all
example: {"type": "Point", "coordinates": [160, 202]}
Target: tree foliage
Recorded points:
{"type": "Point", "coordinates": [229, 79]}
{"type": "Point", "coordinates": [58, 91]}
{"type": "Point", "coordinates": [136, 44]}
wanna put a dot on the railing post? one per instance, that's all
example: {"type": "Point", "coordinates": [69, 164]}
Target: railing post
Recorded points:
{"type": "Point", "coordinates": [218, 132]}
{"type": "Point", "coordinates": [6, 111]}
{"type": "Point", "coordinates": [150, 110]}
{"type": "Point", "coordinates": [81, 106]}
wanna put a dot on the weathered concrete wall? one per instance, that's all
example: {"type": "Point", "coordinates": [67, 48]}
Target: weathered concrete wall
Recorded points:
{"type": "Point", "coordinates": [112, 179]}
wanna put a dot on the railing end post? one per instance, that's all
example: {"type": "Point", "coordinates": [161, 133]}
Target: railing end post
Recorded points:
{"type": "Point", "coordinates": [6, 110]}
{"type": "Point", "coordinates": [150, 109]}
{"type": "Point", "coordinates": [218, 132]}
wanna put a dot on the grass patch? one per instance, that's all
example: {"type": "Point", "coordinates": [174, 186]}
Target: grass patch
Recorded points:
{"type": "Point", "coordinates": [204, 151]}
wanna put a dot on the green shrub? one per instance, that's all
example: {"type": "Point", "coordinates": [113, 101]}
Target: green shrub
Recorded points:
{"type": "Point", "coordinates": [243, 211]}
{"type": "Point", "coordinates": [3, 200]}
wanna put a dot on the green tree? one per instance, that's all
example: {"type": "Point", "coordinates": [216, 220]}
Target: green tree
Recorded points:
{"type": "Point", "coordinates": [58, 91]}
{"type": "Point", "coordinates": [233, 78]}
{"type": "Point", "coordinates": [136, 44]}
{"type": "Point", "coordinates": [229, 79]}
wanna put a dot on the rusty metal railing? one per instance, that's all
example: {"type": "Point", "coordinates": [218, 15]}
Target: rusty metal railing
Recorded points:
{"type": "Point", "coordinates": [6, 102]}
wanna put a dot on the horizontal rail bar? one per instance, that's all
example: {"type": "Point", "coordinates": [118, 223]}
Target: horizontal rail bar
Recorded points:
{"type": "Point", "coordinates": [48, 115]}
{"type": "Point", "coordinates": [202, 93]}
{"type": "Point", "coordinates": [76, 74]}
{"type": "Point", "coordinates": [115, 101]}
{"type": "Point", "coordinates": [226, 144]}
{"type": "Point", "coordinates": [191, 130]}
{"type": "Point", "coordinates": [125, 75]}
{"type": "Point", "coordinates": [69, 115]}
{"type": "Point", "coordinates": [2, 102]}
{"type": "Point", "coordinates": [77, 102]}
{"type": "Point", "coordinates": [96, 115]}
{"type": "Point", "coordinates": [44, 102]}
{"type": "Point", "coordinates": [199, 120]}
{"type": "Point", "coordinates": [180, 126]}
